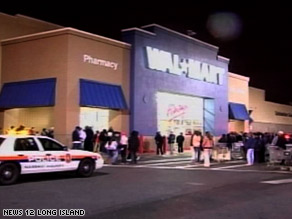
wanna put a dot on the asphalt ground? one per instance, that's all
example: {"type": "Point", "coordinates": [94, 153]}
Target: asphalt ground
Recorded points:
{"type": "Point", "coordinates": [225, 190]}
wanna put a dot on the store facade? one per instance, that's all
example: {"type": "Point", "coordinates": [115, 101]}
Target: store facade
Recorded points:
{"type": "Point", "coordinates": [238, 98]}
{"type": "Point", "coordinates": [64, 78]}
{"type": "Point", "coordinates": [268, 116]}
{"type": "Point", "coordinates": [178, 83]}
{"type": "Point", "coordinates": [156, 80]}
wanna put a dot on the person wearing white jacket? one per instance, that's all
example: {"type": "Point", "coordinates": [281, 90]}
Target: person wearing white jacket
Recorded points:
{"type": "Point", "coordinates": [197, 145]}
{"type": "Point", "coordinates": [123, 146]}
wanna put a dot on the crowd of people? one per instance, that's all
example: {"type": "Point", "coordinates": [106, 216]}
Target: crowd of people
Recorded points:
{"type": "Point", "coordinates": [253, 146]}
{"type": "Point", "coordinates": [110, 142]}
{"type": "Point", "coordinates": [114, 143]}
{"type": "Point", "coordinates": [23, 130]}
{"type": "Point", "coordinates": [198, 144]}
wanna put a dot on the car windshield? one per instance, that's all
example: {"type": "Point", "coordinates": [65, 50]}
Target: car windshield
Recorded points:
{"type": "Point", "coordinates": [1, 141]}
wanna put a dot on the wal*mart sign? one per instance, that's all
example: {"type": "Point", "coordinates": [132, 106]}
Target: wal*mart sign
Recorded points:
{"type": "Point", "coordinates": [171, 63]}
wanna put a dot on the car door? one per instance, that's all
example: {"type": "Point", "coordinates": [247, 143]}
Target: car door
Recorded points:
{"type": "Point", "coordinates": [57, 157]}
{"type": "Point", "coordinates": [28, 149]}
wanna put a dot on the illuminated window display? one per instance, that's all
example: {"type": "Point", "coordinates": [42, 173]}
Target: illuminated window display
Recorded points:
{"type": "Point", "coordinates": [179, 113]}
{"type": "Point", "coordinates": [97, 118]}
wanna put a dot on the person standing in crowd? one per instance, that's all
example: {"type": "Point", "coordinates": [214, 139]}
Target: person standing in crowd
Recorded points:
{"type": "Point", "coordinates": [123, 146]}
{"type": "Point", "coordinates": [50, 132]}
{"type": "Point", "coordinates": [96, 142]}
{"type": "Point", "coordinates": [11, 130]}
{"type": "Point", "coordinates": [110, 132]}
{"type": "Point", "coordinates": [171, 140]}
{"type": "Point", "coordinates": [76, 140]}
{"type": "Point", "coordinates": [133, 145]}
{"type": "Point", "coordinates": [159, 142]}
{"type": "Point", "coordinates": [197, 145]}
{"type": "Point", "coordinates": [103, 140]}
{"type": "Point", "coordinates": [32, 131]}
{"type": "Point", "coordinates": [231, 138]}
{"type": "Point", "coordinates": [112, 149]}
{"type": "Point", "coordinates": [88, 142]}
{"type": "Point", "coordinates": [44, 132]}
{"type": "Point", "coordinates": [250, 144]}
{"type": "Point", "coordinates": [82, 137]}
{"type": "Point", "coordinates": [223, 139]}
{"type": "Point", "coordinates": [259, 150]}
{"type": "Point", "coordinates": [180, 142]}
{"type": "Point", "coordinates": [280, 140]}
{"type": "Point", "coordinates": [208, 144]}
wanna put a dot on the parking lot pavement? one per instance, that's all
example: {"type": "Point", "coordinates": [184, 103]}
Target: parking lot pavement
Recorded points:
{"type": "Point", "coordinates": [183, 162]}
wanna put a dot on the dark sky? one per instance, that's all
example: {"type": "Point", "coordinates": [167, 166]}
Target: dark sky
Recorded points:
{"type": "Point", "coordinates": [255, 35]}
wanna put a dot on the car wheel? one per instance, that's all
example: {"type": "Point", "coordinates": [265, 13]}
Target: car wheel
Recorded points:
{"type": "Point", "coordinates": [9, 173]}
{"type": "Point", "coordinates": [86, 168]}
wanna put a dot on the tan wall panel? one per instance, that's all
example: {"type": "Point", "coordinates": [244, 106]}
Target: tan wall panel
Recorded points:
{"type": "Point", "coordinates": [238, 92]}
{"type": "Point", "coordinates": [236, 126]}
{"type": "Point", "coordinates": [238, 89]}
{"type": "Point", "coordinates": [256, 95]}
{"type": "Point", "coordinates": [119, 121]}
{"type": "Point", "coordinates": [270, 127]}
{"type": "Point", "coordinates": [265, 112]}
{"type": "Point", "coordinates": [33, 59]}
{"type": "Point", "coordinates": [13, 26]}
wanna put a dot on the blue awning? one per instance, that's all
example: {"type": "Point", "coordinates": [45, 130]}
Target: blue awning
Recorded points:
{"type": "Point", "coordinates": [238, 111]}
{"type": "Point", "coordinates": [33, 93]}
{"type": "Point", "coordinates": [96, 94]}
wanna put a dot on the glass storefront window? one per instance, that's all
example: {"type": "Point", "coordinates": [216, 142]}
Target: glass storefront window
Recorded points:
{"type": "Point", "coordinates": [179, 113]}
{"type": "Point", "coordinates": [97, 118]}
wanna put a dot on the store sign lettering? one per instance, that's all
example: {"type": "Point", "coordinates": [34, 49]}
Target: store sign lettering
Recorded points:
{"type": "Point", "coordinates": [174, 111]}
{"type": "Point", "coordinates": [283, 114]}
{"type": "Point", "coordinates": [95, 61]}
{"type": "Point", "coordinates": [171, 63]}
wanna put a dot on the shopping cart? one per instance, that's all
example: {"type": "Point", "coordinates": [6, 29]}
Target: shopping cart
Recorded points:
{"type": "Point", "coordinates": [276, 155]}
{"type": "Point", "coordinates": [221, 152]}
{"type": "Point", "coordinates": [237, 151]}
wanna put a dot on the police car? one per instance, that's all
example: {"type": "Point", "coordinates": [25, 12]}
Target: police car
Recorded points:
{"type": "Point", "coordinates": [39, 154]}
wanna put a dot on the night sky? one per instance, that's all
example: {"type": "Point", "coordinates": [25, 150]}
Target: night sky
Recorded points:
{"type": "Point", "coordinates": [255, 35]}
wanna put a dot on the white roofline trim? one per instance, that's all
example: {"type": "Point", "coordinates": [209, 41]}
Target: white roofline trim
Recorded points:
{"type": "Point", "coordinates": [102, 37]}
{"type": "Point", "coordinates": [255, 88]}
{"type": "Point", "coordinates": [222, 57]}
{"type": "Point", "coordinates": [61, 30]}
{"type": "Point", "coordinates": [181, 34]}
{"type": "Point", "coordinates": [241, 77]}
{"type": "Point", "coordinates": [8, 15]}
{"type": "Point", "coordinates": [35, 19]}
{"type": "Point", "coordinates": [138, 29]}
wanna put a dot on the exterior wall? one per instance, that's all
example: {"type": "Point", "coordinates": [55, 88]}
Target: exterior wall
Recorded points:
{"type": "Point", "coordinates": [14, 26]}
{"type": "Point", "coordinates": [238, 89]}
{"type": "Point", "coordinates": [238, 92]}
{"type": "Point", "coordinates": [268, 116]}
{"type": "Point", "coordinates": [236, 126]}
{"type": "Point", "coordinates": [19, 25]}
{"type": "Point", "coordinates": [270, 127]}
{"type": "Point", "coordinates": [43, 56]}
{"type": "Point", "coordinates": [105, 49]}
{"type": "Point", "coordinates": [145, 83]}
{"type": "Point", "coordinates": [59, 54]}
